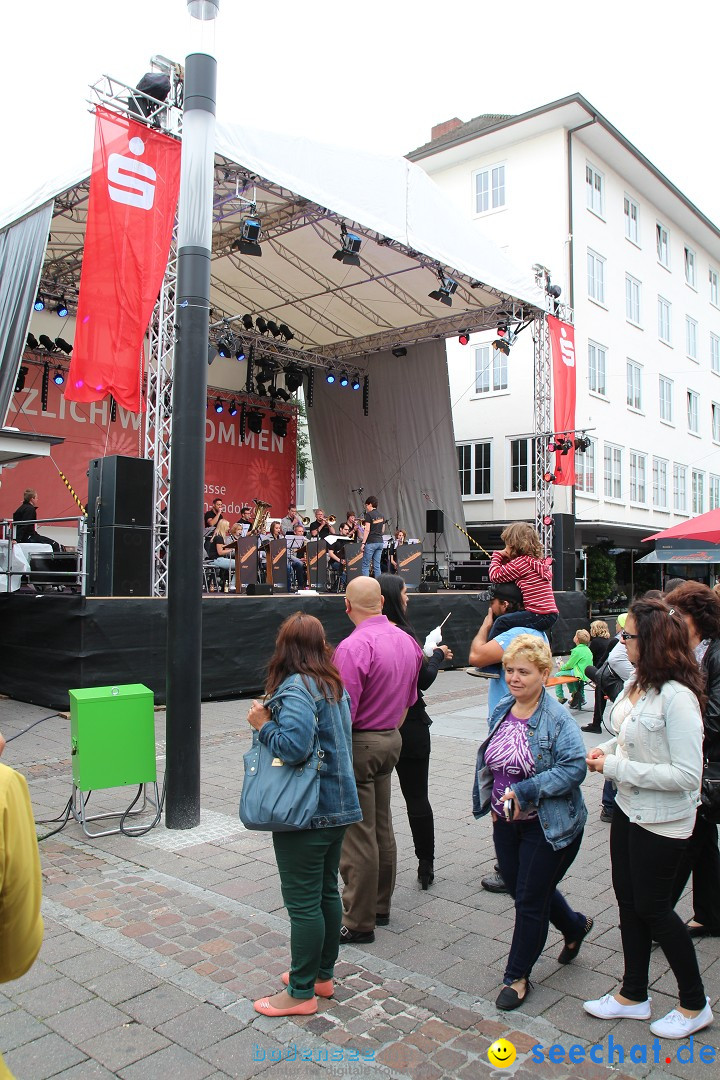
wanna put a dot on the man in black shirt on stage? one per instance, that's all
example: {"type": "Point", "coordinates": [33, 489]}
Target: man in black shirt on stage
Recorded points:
{"type": "Point", "coordinates": [372, 538]}
{"type": "Point", "coordinates": [25, 517]}
{"type": "Point", "coordinates": [213, 515]}
{"type": "Point", "coordinates": [320, 527]}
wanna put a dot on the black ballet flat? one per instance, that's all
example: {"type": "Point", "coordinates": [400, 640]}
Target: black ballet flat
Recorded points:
{"type": "Point", "coordinates": [509, 999]}
{"type": "Point", "coordinates": [572, 948]}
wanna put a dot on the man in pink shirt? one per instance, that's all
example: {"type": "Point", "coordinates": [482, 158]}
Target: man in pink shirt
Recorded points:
{"type": "Point", "coordinates": [379, 665]}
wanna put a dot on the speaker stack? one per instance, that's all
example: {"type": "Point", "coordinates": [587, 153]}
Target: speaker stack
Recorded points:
{"type": "Point", "coordinates": [120, 527]}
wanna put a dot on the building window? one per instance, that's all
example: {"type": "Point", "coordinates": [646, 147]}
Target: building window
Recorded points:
{"type": "Point", "coordinates": [585, 469]}
{"type": "Point", "coordinates": [666, 399]}
{"type": "Point", "coordinates": [491, 370]}
{"type": "Point", "coordinates": [595, 190]}
{"type": "Point", "coordinates": [613, 471]}
{"type": "Point", "coordinates": [596, 276]}
{"type": "Point", "coordinates": [660, 483]}
{"type": "Point", "coordinates": [664, 320]}
{"type": "Point", "coordinates": [489, 189]}
{"type": "Point", "coordinates": [475, 468]}
{"type": "Point", "coordinates": [715, 353]}
{"type": "Point", "coordinates": [522, 465]}
{"type": "Point", "coordinates": [632, 219]}
{"type": "Point", "coordinates": [714, 288]}
{"type": "Point", "coordinates": [714, 492]}
{"type": "Point", "coordinates": [597, 368]}
{"type": "Point", "coordinates": [690, 267]}
{"type": "Point", "coordinates": [634, 385]}
{"type": "Point", "coordinates": [299, 490]}
{"type": "Point", "coordinates": [716, 422]}
{"type": "Point", "coordinates": [638, 473]}
{"type": "Point", "coordinates": [698, 492]}
{"type": "Point", "coordinates": [632, 299]}
{"type": "Point", "coordinates": [691, 338]}
{"type": "Point", "coordinates": [662, 239]}
{"type": "Point", "coordinates": [680, 488]}
{"type": "Point", "coordinates": [693, 411]}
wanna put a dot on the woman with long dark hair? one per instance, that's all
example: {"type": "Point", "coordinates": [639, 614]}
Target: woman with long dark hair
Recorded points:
{"type": "Point", "coordinates": [700, 608]}
{"type": "Point", "coordinates": [414, 764]}
{"type": "Point", "coordinates": [304, 694]}
{"type": "Point", "coordinates": [656, 762]}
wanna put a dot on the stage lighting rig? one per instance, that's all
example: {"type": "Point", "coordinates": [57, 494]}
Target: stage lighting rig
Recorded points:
{"type": "Point", "coordinates": [566, 445]}
{"type": "Point", "coordinates": [356, 382]}
{"type": "Point", "coordinates": [47, 343]}
{"type": "Point", "coordinates": [500, 345]}
{"type": "Point", "coordinates": [273, 328]}
{"type": "Point", "coordinates": [250, 371]}
{"type": "Point", "coordinates": [239, 352]}
{"type": "Point", "coordinates": [464, 337]}
{"type": "Point", "coordinates": [233, 408]}
{"type": "Point", "coordinates": [247, 322]}
{"type": "Point", "coordinates": [549, 477]}
{"type": "Point", "coordinates": [366, 395]}
{"type": "Point", "coordinates": [226, 344]}
{"type": "Point", "coordinates": [310, 395]}
{"type": "Point", "coordinates": [280, 392]}
{"type": "Point", "coordinates": [262, 326]}
{"type": "Point", "coordinates": [65, 346]}
{"type": "Point", "coordinates": [61, 307]}
{"type": "Point", "coordinates": [254, 420]}
{"type": "Point", "coordinates": [218, 405]}
{"type": "Point", "coordinates": [555, 292]}
{"type": "Point", "coordinates": [582, 443]}
{"type": "Point", "coordinates": [32, 342]}
{"type": "Point", "coordinates": [59, 377]}
{"type": "Point", "coordinates": [20, 381]}
{"type": "Point", "coordinates": [293, 377]}
{"type": "Point", "coordinates": [351, 244]}
{"type": "Point", "coordinates": [547, 520]}
{"type": "Point", "coordinates": [330, 376]}
{"type": "Point", "coordinates": [247, 243]}
{"type": "Point", "coordinates": [39, 304]}
{"type": "Point", "coordinates": [279, 426]}
{"type": "Point", "coordinates": [286, 332]}
{"type": "Point", "coordinates": [399, 351]}
{"type": "Point", "coordinates": [155, 85]}
{"type": "Point", "coordinates": [344, 378]}
{"type": "Point", "coordinates": [448, 287]}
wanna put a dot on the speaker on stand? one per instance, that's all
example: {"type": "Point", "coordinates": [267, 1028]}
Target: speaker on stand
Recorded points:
{"type": "Point", "coordinates": [435, 524]}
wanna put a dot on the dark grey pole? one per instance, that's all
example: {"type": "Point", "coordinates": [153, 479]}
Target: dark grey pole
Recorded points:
{"type": "Point", "coordinates": [187, 454]}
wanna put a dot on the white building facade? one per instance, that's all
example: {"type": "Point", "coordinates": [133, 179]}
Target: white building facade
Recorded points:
{"type": "Point", "coordinates": [639, 265]}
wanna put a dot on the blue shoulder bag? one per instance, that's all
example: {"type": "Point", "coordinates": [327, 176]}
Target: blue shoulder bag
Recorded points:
{"type": "Point", "coordinates": [277, 797]}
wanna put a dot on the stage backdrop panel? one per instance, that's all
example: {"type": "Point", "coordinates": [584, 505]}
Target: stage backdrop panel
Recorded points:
{"type": "Point", "coordinates": [406, 446]}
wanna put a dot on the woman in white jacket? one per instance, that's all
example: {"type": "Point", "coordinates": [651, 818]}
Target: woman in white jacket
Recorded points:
{"type": "Point", "coordinates": [656, 762]}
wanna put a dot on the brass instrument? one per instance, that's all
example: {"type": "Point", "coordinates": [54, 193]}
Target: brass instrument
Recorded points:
{"type": "Point", "coordinates": [259, 521]}
{"type": "Point", "coordinates": [305, 520]}
{"type": "Point", "coordinates": [331, 520]}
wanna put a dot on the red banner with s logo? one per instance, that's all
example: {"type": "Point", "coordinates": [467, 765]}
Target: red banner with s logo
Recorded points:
{"type": "Point", "coordinates": [134, 190]}
{"type": "Point", "coordinates": [562, 347]}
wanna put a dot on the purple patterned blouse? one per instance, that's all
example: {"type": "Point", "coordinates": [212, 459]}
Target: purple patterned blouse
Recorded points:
{"type": "Point", "coordinates": [509, 758]}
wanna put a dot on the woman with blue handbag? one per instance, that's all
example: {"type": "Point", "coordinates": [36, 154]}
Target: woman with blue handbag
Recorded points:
{"type": "Point", "coordinates": [306, 712]}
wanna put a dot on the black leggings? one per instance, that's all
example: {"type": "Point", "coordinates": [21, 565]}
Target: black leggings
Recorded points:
{"type": "Point", "coordinates": [413, 776]}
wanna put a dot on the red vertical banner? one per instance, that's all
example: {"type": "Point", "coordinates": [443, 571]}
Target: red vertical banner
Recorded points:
{"type": "Point", "coordinates": [562, 348]}
{"type": "Point", "coordinates": [134, 189]}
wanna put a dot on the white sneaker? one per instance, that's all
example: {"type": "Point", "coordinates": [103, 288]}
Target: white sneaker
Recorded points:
{"type": "Point", "coordinates": [608, 1008]}
{"type": "Point", "coordinates": [678, 1026]}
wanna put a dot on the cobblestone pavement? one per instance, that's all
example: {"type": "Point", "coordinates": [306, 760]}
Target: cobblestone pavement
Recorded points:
{"type": "Point", "coordinates": [155, 947]}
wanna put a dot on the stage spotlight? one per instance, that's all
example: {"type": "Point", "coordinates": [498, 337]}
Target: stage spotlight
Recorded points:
{"type": "Point", "coordinates": [273, 328]}
{"type": "Point", "coordinates": [547, 519]}
{"type": "Point", "coordinates": [552, 446]}
{"type": "Point", "coordinates": [233, 408]}
{"type": "Point", "coordinates": [502, 328]}
{"type": "Point", "coordinates": [555, 291]}
{"type": "Point", "coordinates": [348, 253]}
{"type": "Point", "coordinates": [356, 382]}
{"type": "Point", "coordinates": [286, 332]}
{"type": "Point", "coordinates": [582, 443]}
{"type": "Point", "coordinates": [64, 345]}
{"type": "Point", "coordinates": [61, 308]}
{"type": "Point", "coordinates": [279, 426]}
{"type": "Point", "coordinates": [464, 337]}
{"type": "Point", "coordinates": [39, 304]}
{"type": "Point", "coordinates": [399, 351]}
{"type": "Point", "coordinates": [47, 343]}
{"type": "Point", "coordinates": [366, 395]}
{"type": "Point", "coordinates": [32, 341]}
{"type": "Point", "coordinates": [255, 421]}
{"type": "Point", "coordinates": [20, 381]}
{"type": "Point", "coordinates": [58, 377]}
{"type": "Point", "coordinates": [566, 446]}
{"type": "Point", "coordinates": [280, 392]}
{"type": "Point", "coordinates": [261, 325]}
{"type": "Point", "coordinates": [247, 243]}
{"type": "Point", "coordinates": [266, 371]}
{"type": "Point", "coordinates": [247, 322]}
{"type": "Point", "coordinates": [226, 345]}
{"type": "Point", "coordinates": [156, 86]}
{"type": "Point", "coordinates": [344, 378]}
{"type": "Point", "coordinates": [501, 346]}
{"type": "Point", "coordinates": [549, 477]}
{"type": "Point", "coordinates": [218, 405]}
{"type": "Point", "coordinates": [261, 390]}
{"type": "Point", "coordinates": [445, 293]}
{"type": "Point", "coordinates": [240, 353]}
{"type": "Point", "coordinates": [330, 377]}
{"type": "Point", "coordinates": [293, 377]}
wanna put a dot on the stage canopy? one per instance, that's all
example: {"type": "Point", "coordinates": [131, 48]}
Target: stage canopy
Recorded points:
{"type": "Point", "coordinates": [305, 194]}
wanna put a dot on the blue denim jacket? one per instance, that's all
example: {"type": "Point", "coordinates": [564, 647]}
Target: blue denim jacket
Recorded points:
{"type": "Point", "coordinates": [290, 733]}
{"type": "Point", "coordinates": [559, 754]}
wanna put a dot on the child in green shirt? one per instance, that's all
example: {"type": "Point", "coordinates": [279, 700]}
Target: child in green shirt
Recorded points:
{"type": "Point", "coordinates": [575, 664]}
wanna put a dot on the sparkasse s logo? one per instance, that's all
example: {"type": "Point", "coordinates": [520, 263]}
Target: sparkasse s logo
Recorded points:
{"type": "Point", "coordinates": [567, 348]}
{"type": "Point", "coordinates": [129, 181]}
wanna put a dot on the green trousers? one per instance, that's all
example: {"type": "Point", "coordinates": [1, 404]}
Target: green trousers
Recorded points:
{"type": "Point", "coordinates": [308, 864]}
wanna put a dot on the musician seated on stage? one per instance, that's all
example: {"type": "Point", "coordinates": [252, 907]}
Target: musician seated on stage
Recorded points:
{"type": "Point", "coordinates": [320, 527]}
{"type": "Point", "coordinates": [336, 557]}
{"type": "Point", "coordinates": [296, 558]}
{"type": "Point", "coordinates": [274, 533]}
{"type": "Point", "coordinates": [291, 519]}
{"type": "Point", "coordinates": [398, 540]}
{"type": "Point", "coordinates": [217, 548]}
{"type": "Point", "coordinates": [245, 520]}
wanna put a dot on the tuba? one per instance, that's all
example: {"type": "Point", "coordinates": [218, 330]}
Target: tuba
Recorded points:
{"type": "Point", "coordinates": [259, 521]}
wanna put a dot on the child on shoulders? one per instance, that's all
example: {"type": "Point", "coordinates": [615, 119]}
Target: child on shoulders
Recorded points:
{"type": "Point", "coordinates": [522, 562]}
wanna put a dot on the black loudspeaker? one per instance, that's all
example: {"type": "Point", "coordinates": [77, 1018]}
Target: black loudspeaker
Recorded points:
{"type": "Point", "coordinates": [259, 589]}
{"type": "Point", "coordinates": [120, 527]}
{"type": "Point", "coordinates": [434, 521]}
{"type": "Point", "coordinates": [563, 552]}
{"type": "Point", "coordinates": [428, 586]}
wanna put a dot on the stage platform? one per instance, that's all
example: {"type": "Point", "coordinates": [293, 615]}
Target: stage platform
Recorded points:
{"type": "Point", "coordinates": [56, 642]}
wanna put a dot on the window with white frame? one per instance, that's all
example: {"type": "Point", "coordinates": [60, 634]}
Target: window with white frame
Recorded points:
{"type": "Point", "coordinates": [632, 299]}
{"type": "Point", "coordinates": [666, 399]}
{"type": "Point", "coordinates": [491, 370]}
{"type": "Point", "coordinates": [716, 422]}
{"type": "Point", "coordinates": [662, 240]}
{"type": "Point", "coordinates": [634, 384]}
{"type": "Point", "coordinates": [693, 411]}
{"type": "Point", "coordinates": [522, 465]}
{"type": "Point", "coordinates": [714, 492]}
{"type": "Point", "coordinates": [489, 188]}
{"type": "Point", "coordinates": [698, 491]}
{"type": "Point", "coordinates": [715, 353]}
{"type": "Point", "coordinates": [475, 468]}
{"type": "Point", "coordinates": [299, 490]}
{"type": "Point", "coordinates": [585, 468]}
{"type": "Point", "coordinates": [631, 211]}
{"type": "Point", "coordinates": [664, 319]}
{"type": "Point", "coordinates": [680, 487]}
{"type": "Point", "coordinates": [613, 471]}
{"type": "Point", "coordinates": [690, 267]}
{"type": "Point", "coordinates": [597, 368]}
{"type": "Point", "coordinates": [596, 276]}
{"type": "Point", "coordinates": [714, 287]}
{"type": "Point", "coordinates": [691, 338]}
{"type": "Point", "coordinates": [638, 477]}
{"type": "Point", "coordinates": [660, 483]}
{"type": "Point", "coordinates": [595, 190]}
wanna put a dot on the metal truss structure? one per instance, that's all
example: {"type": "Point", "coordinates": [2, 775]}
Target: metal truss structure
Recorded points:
{"type": "Point", "coordinates": [542, 427]}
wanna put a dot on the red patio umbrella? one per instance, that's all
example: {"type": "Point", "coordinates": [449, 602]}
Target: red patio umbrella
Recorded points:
{"type": "Point", "coordinates": [703, 527]}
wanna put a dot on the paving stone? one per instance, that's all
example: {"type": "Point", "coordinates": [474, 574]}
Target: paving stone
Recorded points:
{"type": "Point", "coordinates": [86, 1070]}
{"type": "Point", "coordinates": [87, 966]}
{"type": "Point", "coordinates": [42, 1057]}
{"type": "Point", "coordinates": [48, 1000]}
{"type": "Point", "coordinates": [18, 1027]}
{"type": "Point", "coordinates": [200, 1027]}
{"type": "Point", "coordinates": [244, 1054]}
{"type": "Point", "coordinates": [122, 1046]}
{"type": "Point", "coordinates": [87, 1019]}
{"type": "Point", "coordinates": [123, 983]}
{"type": "Point", "coordinates": [172, 1061]}
{"type": "Point", "coordinates": [158, 1005]}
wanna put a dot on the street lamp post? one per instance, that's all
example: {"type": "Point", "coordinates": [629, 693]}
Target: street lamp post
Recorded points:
{"type": "Point", "coordinates": [187, 454]}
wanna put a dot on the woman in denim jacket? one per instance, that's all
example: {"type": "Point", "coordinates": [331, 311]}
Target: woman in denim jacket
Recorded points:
{"type": "Point", "coordinates": [304, 691]}
{"type": "Point", "coordinates": [528, 775]}
{"type": "Point", "coordinates": [656, 762]}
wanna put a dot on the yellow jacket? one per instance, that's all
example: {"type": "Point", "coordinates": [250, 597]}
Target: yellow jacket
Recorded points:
{"type": "Point", "coordinates": [21, 925]}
